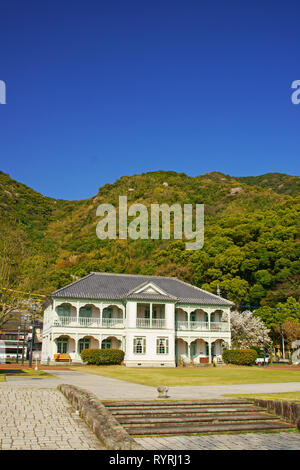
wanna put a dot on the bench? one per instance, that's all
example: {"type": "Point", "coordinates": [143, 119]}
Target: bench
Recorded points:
{"type": "Point", "coordinates": [62, 357]}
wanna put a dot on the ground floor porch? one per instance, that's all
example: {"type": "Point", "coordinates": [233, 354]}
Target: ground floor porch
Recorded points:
{"type": "Point", "coordinates": [198, 350]}
{"type": "Point", "coordinates": [74, 344]}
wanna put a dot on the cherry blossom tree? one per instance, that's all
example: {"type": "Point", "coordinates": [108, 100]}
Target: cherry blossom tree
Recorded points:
{"type": "Point", "coordinates": [248, 330]}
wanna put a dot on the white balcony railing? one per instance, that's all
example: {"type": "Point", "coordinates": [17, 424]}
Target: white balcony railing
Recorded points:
{"type": "Point", "coordinates": [202, 326]}
{"type": "Point", "coordinates": [219, 326]}
{"type": "Point", "coordinates": [65, 321]}
{"type": "Point", "coordinates": [89, 322]}
{"type": "Point", "coordinates": [148, 323]}
{"type": "Point", "coordinates": [193, 325]}
{"type": "Point", "coordinates": [112, 323]}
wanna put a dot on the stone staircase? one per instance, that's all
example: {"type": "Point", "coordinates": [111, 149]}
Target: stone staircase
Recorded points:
{"type": "Point", "coordinates": [145, 418]}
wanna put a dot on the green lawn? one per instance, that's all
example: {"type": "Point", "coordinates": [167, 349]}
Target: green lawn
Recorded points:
{"type": "Point", "coordinates": [225, 375]}
{"type": "Point", "coordinates": [288, 396]}
{"type": "Point", "coordinates": [22, 373]}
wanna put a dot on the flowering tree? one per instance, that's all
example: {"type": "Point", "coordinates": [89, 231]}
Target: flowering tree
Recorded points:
{"type": "Point", "coordinates": [247, 331]}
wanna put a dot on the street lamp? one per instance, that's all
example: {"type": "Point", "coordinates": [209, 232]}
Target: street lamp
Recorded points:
{"type": "Point", "coordinates": [264, 350]}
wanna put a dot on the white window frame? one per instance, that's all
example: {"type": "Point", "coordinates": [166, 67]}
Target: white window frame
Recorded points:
{"type": "Point", "coordinates": [165, 345]}
{"type": "Point", "coordinates": [142, 344]}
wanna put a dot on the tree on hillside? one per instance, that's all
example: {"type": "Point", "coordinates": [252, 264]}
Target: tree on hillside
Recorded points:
{"type": "Point", "coordinates": [12, 282]}
{"type": "Point", "coordinates": [283, 320]}
{"type": "Point", "coordinates": [289, 331]}
{"type": "Point", "coordinates": [247, 331]}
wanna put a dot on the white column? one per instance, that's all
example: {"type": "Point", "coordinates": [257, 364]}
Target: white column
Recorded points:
{"type": "Point", "coordinates": [208, 313]}
{"type": "Point", "coordinates": [209, 351]}
{"type": "Point", "coordinates": [150, 315]}
{"type": "Point", "coordinates": [189, 319]}
{"type": "Point", "coordinates": [77, 313]}
{"type": "Point", "coordinates": [100, 314]}
{"type": "Point", "coordinates": [189, 351]}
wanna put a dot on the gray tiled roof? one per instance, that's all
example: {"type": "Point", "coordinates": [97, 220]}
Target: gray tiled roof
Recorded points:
{"type": "Point", "coordinates": [110, 286]}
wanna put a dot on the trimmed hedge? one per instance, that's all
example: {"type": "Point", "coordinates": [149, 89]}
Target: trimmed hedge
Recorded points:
{"type": "Point", "coordinates": [102, 356]}
{"type": "Point", "coordinates": [242, 357]}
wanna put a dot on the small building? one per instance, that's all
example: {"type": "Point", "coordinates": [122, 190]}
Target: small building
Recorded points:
{"type": "Point", "coordinates": [157, 321]}
{"type": "Point", "coordinates": [16, 335]}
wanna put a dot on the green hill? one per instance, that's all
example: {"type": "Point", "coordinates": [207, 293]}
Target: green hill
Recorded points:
{"type": "Point", "coordinates": [251, 247]}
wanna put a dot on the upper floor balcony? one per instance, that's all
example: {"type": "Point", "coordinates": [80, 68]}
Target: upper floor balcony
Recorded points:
{"type": "Point", "coordinates": [89, 322]}
{"type": "Point", "coordinates": [150, 323]}
{"type": "Point", "coordinates": [202, 326]}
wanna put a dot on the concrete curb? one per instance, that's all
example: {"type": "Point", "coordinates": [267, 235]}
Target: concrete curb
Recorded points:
{"type": "Point", "coordinates": [95, 414]}
{"type": "Point", "coordinates": [289, 411]}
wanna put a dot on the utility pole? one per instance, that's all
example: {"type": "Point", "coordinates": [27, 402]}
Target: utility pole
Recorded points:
{"type": "Point", "coordinates": [282, 340]}
{"type": "Point", "coordinates": [19, 329]}
{"type": "Point", "coordinates": [32, 334]}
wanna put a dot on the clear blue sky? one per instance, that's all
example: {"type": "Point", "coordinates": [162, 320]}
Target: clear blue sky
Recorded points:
{"type": "Point", "coordinates": [99, 89]}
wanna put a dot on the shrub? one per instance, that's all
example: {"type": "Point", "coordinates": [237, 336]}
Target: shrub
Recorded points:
{"type": "Point", "coordinates": [242, 357]}
{"type": "Point", "coordinates": [102, 356]}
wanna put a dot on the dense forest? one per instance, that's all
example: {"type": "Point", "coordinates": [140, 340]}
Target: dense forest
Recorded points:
{"type": "Point", "coordinates": [251, 241]}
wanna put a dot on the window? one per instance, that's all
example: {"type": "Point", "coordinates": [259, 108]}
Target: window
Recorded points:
{"type": "Point", "coordinates": [62, 345]}
{"type": "Point", "coordinates": [83, 343]}
{"type": "Point", "coordinates": [158, 310]}
{"type": "Point", "coordinates": [193, 316]}
{"type": "Point", "coordinates": [85, 311]}
{"type": "Point", "coordinates": [139, 345]}
{"type": "Point", "coordinates": [64, 310]}
{"type": "Point", "coordinates": [193, 349]}
{"type": "Point", "coordinates": [85, 315]}
{"type": "Point", "coordinates": [106, 343]}
{"type": "Point", "coordinates": [162, 346]}
{"type": "Point", "coordinates": [107, 312]}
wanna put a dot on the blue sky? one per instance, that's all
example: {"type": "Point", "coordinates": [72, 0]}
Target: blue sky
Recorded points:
{"type": "Point", "coordinates": [100, 89]}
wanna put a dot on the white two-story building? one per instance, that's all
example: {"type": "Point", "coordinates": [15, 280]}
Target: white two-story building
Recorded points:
{"type": "Point", "coordinates": [157, 321]}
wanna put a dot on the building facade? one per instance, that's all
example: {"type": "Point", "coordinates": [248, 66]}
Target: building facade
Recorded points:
{"type": "Point", "coordinates": [157, 321]}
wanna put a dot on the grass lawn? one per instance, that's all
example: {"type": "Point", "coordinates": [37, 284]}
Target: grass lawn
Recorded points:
{"type": "Point", "coordinates": [226, 375]}
{"type": "Point", "coordinates": [288, 396]}
{"type": "Point", "coordinates": [22, 373]}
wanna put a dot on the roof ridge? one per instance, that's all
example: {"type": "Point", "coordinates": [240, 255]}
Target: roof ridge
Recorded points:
{"type": "Point", "coordinates": [135, 275]}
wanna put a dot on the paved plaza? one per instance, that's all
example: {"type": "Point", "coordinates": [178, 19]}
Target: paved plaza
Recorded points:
{"type": "Point", "coordinates": [257, 441]}
{"type": "Point", "coordinates": [41, 419]}
{"type": "Point", "coordinates": [35, 415]}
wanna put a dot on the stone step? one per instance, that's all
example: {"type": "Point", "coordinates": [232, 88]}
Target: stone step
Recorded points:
{"type": "Point", "coordinates": [163, 403]}
{"type": "Point", "coordinates": [182, 411]}
{"type": "Point", "coordinates": [197, 419]}
{"type": "Point", "coordinates": [210, 428]}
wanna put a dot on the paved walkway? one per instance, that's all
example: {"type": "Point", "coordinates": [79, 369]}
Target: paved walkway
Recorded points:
{"type": "Point", "coordinates": [113, 389]}
{"type": "Point", "coordinates": [263, 441]}
{"type": "Point", "coordinates": [34, 415]}
{"type": "Point", "coordinates": [41, 420]}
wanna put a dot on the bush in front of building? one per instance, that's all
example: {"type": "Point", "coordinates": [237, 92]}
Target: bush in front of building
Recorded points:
{"type": "Point", "coordinates": [241, 357]}
{"type": "Point", "coordinates": [102, 356]}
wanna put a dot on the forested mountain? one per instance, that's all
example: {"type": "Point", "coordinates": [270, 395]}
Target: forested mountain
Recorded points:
{"type": "Point", "coordinates": [251, 244]}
